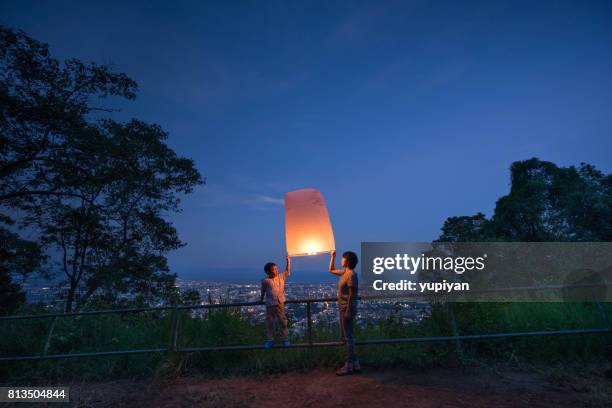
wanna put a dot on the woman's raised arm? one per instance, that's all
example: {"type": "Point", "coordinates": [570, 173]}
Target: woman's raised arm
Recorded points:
{"type": "Point", "coordinates": [332, 267]}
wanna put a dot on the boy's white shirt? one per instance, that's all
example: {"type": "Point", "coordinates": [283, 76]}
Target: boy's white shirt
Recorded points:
{"type": "Point", "coordinates": [275, 290]}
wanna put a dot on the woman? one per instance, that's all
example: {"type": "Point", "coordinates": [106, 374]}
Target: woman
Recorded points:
{"type": "Point", "coordinates": [348, 288]}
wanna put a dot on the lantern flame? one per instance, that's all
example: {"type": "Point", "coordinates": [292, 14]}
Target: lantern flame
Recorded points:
{"type": "Point", "coordinates": [312, 249]}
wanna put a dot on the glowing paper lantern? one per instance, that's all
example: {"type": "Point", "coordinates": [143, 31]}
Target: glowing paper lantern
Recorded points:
{"type": "Point", "coordinates": [307, 227]}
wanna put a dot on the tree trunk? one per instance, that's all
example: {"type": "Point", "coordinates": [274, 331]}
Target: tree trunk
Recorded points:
{"type": "Point", "coordinates": [83, 299]}
{"type": "Point", "coordinates": [70, 297]}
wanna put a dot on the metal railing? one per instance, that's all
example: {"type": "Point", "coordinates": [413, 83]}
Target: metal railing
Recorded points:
{"type": "Point", "coordinates": [456, 337]}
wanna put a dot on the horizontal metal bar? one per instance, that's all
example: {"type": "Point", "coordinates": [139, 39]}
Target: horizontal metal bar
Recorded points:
{"type": "Point", "coordinates": [87, 313]}
{"type": "Point", "coordinates": [258, 347]}
{"type": "Point", "coordinates": [322, 344]}
{"type": "Point", "coordinates": [408, 340]}
{"type": "Point", "coordinates": [487, 336]}
{"type": "Point", "coordinates": [401, 296]}
{"type": "Point", "coordinates": [87, 354]}
{"type": "Point", "coordinates": [145, 309]}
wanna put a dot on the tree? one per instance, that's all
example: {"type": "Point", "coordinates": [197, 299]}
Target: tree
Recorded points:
{"type": "Point", "coordinates": [17, 256]}
{"type": "Point", "coordinates": [466, 228]}
{"type": "Point", "coordinates": [96, 190]}
{"type": "Point", "coordinates": [42, 102]}
{"type": "Point", "coordinates": [113, 237]}
{"type": "Point", "coordinates": [545, 203]}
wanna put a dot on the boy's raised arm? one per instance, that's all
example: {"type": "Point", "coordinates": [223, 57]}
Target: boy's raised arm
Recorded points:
{"type": "Point", "coordinates": [288, 267]}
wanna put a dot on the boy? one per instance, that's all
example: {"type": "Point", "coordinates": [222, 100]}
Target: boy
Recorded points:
{"type": "Point", "coordinates": [273, 290]}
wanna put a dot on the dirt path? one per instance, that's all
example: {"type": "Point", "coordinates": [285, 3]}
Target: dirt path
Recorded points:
{"type": "Point", "coordinates": [382, 389]}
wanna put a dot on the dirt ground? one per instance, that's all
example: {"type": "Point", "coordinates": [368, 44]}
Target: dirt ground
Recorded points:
{"type": "Point", "coordinates": [486, 387]}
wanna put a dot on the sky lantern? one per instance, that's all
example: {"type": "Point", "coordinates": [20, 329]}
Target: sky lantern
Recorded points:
{"type": "Point", "coordinates": [307, 227]}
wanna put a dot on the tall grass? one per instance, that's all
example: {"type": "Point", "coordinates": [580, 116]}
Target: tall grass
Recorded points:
{"type": "Point", "coordinates": [229, 327]}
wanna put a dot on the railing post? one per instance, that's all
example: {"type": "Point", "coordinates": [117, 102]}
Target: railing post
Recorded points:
{"type": "Point", "coordinates": [309, 317]}
{"type": "Point", "coordinates": [455, 330]}
{"type": "Point", "coordinates": [48, 339]}
{"type": "Point", "coordinates": [175, 326]}
{"type": "Point", "coordinates": [604, 315]}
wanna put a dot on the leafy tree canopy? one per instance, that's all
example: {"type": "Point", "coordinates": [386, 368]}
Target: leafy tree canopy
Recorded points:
{"type": "Point", "coordinates": [97, 191]}
{"type": "Point", "coordinates": [545, 203]}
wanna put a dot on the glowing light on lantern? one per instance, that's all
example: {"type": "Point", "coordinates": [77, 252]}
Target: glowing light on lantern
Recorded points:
{"type": "Point", "coordinates": [311, 248]}
{"type": "Point", "coordinates": [307, 227]}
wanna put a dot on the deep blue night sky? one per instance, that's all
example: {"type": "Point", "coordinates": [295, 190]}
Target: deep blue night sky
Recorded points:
{"type": "Point", "coordinates": [401, 113]}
